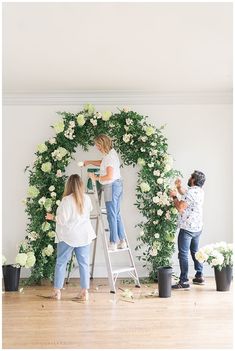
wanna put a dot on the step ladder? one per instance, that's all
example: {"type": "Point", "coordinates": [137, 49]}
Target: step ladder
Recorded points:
{"type": "Point", "coordinates": [108, 254]}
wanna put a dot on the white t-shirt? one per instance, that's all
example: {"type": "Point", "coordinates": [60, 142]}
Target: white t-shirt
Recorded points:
{"type": "Point", "coordinates": [112, 160]}
{"type": "Point", "coordinates": [191, 218]}
{"type": "Point", "coordinates": [73, 228]}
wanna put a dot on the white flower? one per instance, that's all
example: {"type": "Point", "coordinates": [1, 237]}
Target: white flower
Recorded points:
{"type": "Point", "coordinates": [127, 294]}
{"type": "Point", "coordinates": [98, 115]}
{"type": "Point", "coordinates": [126, 138]}
{"type": "Point", "coordinates": [106, 115]}
{"type": "Point", "coordinates": [144, 187]}
{"type": "Point", "coordinates": [174, 211]}
{"type": "Point", "coordinates": [21, 259]}
{"type": "Point", "coordinates": [151, 165]}
{"type": "Point", "coordinates": [81, 120]}
{"type": "Point", "coordinates": [72, 124]}
{"type": "Point", "coordinates": [59, 173]}
{"type": "Point", "coordinates": [126, 109]}
{"type": "Point", "coordinates": [168, 215]}
{"type": "Point", "coordinates": [4, 260]}
{"type": "Point", "coordinates": [52, 141]}
{"type": "Point", "coordinates": [153, 252]}
{"type": "Point", "coordinates": [112, 125]}
{"type": "Point", "coordinates": [59, 153]}
{"type": "Point", "coordinates": [201, 256]}
{"type": "Point", "coordinates": [59, 126]}
{"type": "Point", "coordinates": [156, 222]}
{"type": "Point", "coordinates": [93, 122]}
{"type": "Point", "coordinates": [156, 199]}
{"type": "Point", "coordinates": [89, 108]}
{"type": "Point", "coordinates": [48, 251]}
{"type": "Point", "coordinates": [142, 149]}
{"type": "Point", "coordinates": [217, 261]}
{"type": "Point", "coordinates": [149, 130]}
{"type": "Point", "coordinates": [53, 194]}
{"type": "Point", "coordinates": [126, 128]}
{"type": "Point", "coordinates": [160, 181]}
{"type": "Point", "coordinates": [141, 162]}
{"type": "Point", "coordinates": [129, 121]}
{"type": "Point", "coordinates": [51, 234]}
{"type": "Point", "coordinates": [156, 173]}
{"type": "Point", "coordinates": [167, 167]}
{"type": "Point", "coordinates": [168, 159]}
{"type": "Point", "coordinates": [58, 202]}
{"type": "Point", "coordinates": [33, 236]}
{"type": "Point", "coordinates": [153, 153]}
{"type": "Point", "coordinates": [52, 188]}
{"type": "Point", "coordinates": [42, 148]}
{"type": "Point", "coordinates": [80, 164]}
{"type": "Point", "coordinates": [153, 144]}
{"type": "Point", "coordinates": [42, 200]}
{"type": "Point", "coordinates": [30, 260]}
{"type": "Point", "coordinates": [157, 236]}
{"type": "Point", "coordinates": [144, 139]}
{"type": "Point", "coordinates": [159, 212]}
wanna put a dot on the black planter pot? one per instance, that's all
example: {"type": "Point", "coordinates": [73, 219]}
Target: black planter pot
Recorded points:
{"type": "Point", "coordinates": [164, 281]}
{"type": "Point", "coordinates": [11, 276]}
{"type": "Point", "coordinates": [223, 278]}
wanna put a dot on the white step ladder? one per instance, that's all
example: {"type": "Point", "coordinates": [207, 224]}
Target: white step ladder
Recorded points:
{"type": "Point", "coordinates": [108, 254]}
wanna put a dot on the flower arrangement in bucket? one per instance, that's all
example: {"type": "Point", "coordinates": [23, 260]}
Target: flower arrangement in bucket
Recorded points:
{"type": "Point", "coordinates": [219, 256]}
{"type": "Point", "coordinates": [11, 272]}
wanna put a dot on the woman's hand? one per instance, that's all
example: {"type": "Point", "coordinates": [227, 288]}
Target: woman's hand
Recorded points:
{"type": "Point", "coordinates": [178, 183]}
{"type": "Point", "coordinates": [49, 217]}
{"type": "Point", "coordinates": [86, 163]}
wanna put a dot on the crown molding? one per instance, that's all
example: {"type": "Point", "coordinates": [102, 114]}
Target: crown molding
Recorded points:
{"type": "Point", "coordinates": [105, 97]}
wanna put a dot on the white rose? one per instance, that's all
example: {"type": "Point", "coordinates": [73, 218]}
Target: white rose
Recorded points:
{"type": "Point", "coordinates": [42, 200]}
{"type": "Point", "coordinates": [167, 168]}
{"type": "Point", "coordinates": [52, 188]}
{"type": "Point", "coordinates": [153, 252]}
{"type": "Point", "coordinates": [58, 202]}
{"type": "Point", "coordinates": [93, 122]}
{"type": "Point", "coordinates": [129, 121]}
{"type": "Point", "coordinates": [160, 181]}
{"type": "Point", "coordinates": [144, 139]}
{"type": "Point", "coordinates": [151, 165]}
{"type": "Point", "coordinates": [156, 199]}
{"type": "Point", "coordinates": [141, 162]}
{"type": "Point", "coordinates": [21, 259]}
{"type": "Point", "coordinates": [153, 153]}
{"type": "Point", "coordinates": [59, 173]}
{"type": "Point", "coordinates": [52, 141]}
{"type": "Point", "coordinates": [126, 109]}
{"type": "Point", "coordinates": [157, 236]}
{"type": "Point", "coordinates": [53, 194]}
{"type": "Point", "coordinates": [156, 173]}
{"type": "Point", "coordinates": [159, 212]}
{"type": "Point", "coordinates": [144, 187]}
{"type": "Point", "coordinates": [126, 138]}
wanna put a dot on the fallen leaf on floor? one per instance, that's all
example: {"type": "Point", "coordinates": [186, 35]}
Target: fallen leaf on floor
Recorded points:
{"type": "Point", "coordinates": [21, 290]}
{"type": "Point", "coordinates": [128, 294]}
{"type": "Point", "coordinates": [127, 301]}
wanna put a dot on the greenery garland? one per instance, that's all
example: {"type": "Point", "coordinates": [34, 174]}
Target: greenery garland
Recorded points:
{"type": "Point", "coordinates": [139, 143]}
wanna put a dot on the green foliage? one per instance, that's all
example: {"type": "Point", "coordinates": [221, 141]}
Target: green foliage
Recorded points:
{"type": "Point", "coordinates": [134, 139]}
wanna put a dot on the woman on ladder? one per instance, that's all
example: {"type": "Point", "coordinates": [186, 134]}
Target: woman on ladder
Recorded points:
{"type": "Point", "coordinates": [110, 178]}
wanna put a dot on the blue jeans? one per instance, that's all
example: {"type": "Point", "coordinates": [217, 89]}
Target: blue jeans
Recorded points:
{"type": "Point", "coordinates": [64, 252]}
{"type": "Point", "coordinates": [113, 213]}
{"type": "Point", "coordinates": [188, 241]}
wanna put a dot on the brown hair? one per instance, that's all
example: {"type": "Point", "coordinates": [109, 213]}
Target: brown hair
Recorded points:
{"type": "Point", "coordinates": [75, 186]}
{"type": "Point", "coordinates": [105, 142]}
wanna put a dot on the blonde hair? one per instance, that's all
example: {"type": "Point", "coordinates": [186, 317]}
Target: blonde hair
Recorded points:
{"type": "Point", "coordinates": [105, 142]}
{"type": "Point", "coordinates": [75, 186]}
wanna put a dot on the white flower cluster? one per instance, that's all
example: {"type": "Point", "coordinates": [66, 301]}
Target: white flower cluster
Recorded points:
{"type": "Point", "coordinates": [217, 255]}
{"type": "Point", "coordinates": [48, 250]}
{"type": "Point", "coordinates": [59, 153]}
{"type": "Point", "coordinates": [69, 133]}
{"type": "Point", "coordinates": [26, 260]}
{"type": "Point", "coordinates": [33, 236]}
{"type": "Point", "coordinates": [162, 199]}
{"type": "Point", "coordinates": [127, 137]}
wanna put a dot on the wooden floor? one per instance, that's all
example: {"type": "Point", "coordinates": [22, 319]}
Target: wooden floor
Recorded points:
{"type": "Point", "coordinates": [199, 318]}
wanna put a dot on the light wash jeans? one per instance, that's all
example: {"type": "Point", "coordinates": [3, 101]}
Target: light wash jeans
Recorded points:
{"type": "Point", "coordinates": [64, 252]}
{"type": "Point", "coordinates": [113, 212]}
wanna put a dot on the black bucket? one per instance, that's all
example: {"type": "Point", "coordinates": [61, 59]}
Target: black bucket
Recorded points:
{"type": "Point", "coordinates": [164, 281]}
{"type": "Point", "coordinates": [11, 276]}
{"type": "Point", "coordinates": [223, 278]}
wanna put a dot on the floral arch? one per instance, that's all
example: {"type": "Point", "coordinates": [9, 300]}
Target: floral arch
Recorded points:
{"type": "Point", "coordinates": [139, 143]}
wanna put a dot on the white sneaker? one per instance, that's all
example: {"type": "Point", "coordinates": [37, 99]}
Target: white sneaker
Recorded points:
{"type": "Point", "coordinates": [112, 246]}
{"type": "Point", "coordinates": [122, 244]}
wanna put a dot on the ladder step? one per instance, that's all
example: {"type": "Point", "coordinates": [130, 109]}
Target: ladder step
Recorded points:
{"type": "Point", "coordinates": [103, 211]}
{"type": "Point", "coordinates": [119, 250]}
{"type": "Point", "coordinates": [123, 270]}
{"type": "Point", "coordinates": [93, 216]}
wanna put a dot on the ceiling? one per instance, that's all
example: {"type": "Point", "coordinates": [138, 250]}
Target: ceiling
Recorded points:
{"type": "Point", "coordinates": [160, 47]}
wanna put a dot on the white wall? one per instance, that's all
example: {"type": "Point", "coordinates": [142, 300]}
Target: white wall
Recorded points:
{"type": "Point", "coordinates": [200, 137]}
